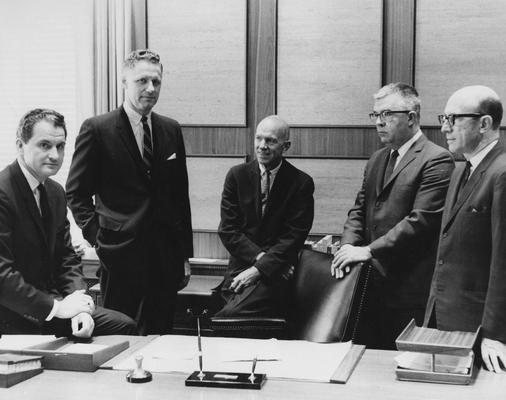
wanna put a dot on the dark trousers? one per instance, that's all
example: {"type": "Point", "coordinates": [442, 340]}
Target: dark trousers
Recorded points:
{"type": "Point", "coordinates": [262, 299]}
{"type": "Point", "coordinates": [145, 286]}
{"type": "Point", "coordinates": [379, 324]}
{"type": "Point", "coordinates": [107, 322]}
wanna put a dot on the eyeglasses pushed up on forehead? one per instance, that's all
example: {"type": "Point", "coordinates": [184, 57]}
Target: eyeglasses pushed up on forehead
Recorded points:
{"type": "Point", "coordinates": [450, 118]}
{"type": "Point", "coordinates": [386, 115]}
{"type": "Point", "coordinates": [144, 54]}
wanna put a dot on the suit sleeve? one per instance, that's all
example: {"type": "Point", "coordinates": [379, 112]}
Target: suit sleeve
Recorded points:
{"type": "Point", "coordinates": [69, 273]}
{"type": "Point", "coordinates": [231, 222]}
{"type": "Point", "coordinates": [494, 315]}
{"type": "Point", "coordinates": [15, 293]}
{"type": "Point", "coordinates": [353, 231]}
{"type": "Point", "coordinates": [184, 201]}
{"type": "Point", "coordinates": [424, 220]}
{"type": "Point", "coordinates": [298, 222]}
{"type": "Point", "coordinates": [82, 180]}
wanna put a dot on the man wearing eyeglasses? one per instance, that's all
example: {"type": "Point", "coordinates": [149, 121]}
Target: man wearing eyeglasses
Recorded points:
{"type": "Point", "coordinates": [128, 191]}
{"type": "Point", "coordinates": [469, 283]}
{"type": "Point", "coordinates": [395, 221]}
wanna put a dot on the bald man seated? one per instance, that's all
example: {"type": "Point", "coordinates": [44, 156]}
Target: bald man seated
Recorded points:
{"type": "Point", "coordinates": [267, 210]}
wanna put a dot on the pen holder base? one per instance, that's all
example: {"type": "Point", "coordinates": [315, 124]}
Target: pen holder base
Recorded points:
{"type": "Point", "coordinates": [226, 380]}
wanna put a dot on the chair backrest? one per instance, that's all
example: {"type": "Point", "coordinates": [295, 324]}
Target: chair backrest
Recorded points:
{"type": "Point", "coordinates": [326, 309]}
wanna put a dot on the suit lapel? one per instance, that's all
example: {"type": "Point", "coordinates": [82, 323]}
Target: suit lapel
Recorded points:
{"type": "Point", "coordinates": [471, 184]}
{"type": "Point", "coordinates": [379, 170]}
{"type": "Point", "coordinates": [410, 155]}
{"type": "Point", "coordinates": [163, 142]}
{"type": "Point", "coordinates": [24, 191]}
{"type": "Point", "coordinates": [279, 187]}
{"type": "Point", "coordinates": [254, 176]}
{"type": "Point", "coordinates": [51, 199]}
{"type": "Point", "coordinates": [124, 131]}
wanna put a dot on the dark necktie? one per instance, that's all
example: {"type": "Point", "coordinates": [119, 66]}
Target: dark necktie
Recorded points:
{"type": "Point", "coordinates": [147, 144]}
{"type": "Point", "coordinates": [45, 211]}
{"type": "Point", "coordinates": [266, 186]}
{"type": "Point", "coordinates": [390, 166]}
{"type": "Point", "coordinates": [465, 177]}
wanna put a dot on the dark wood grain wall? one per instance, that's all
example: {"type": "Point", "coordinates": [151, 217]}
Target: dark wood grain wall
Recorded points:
{"type": "Point", "coordinates": [313, 142]}
{"type": "Point", "coordinates": [310, 141]}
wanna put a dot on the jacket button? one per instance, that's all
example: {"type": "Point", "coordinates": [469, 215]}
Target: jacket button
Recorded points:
{"type": "Point", "coordinates": [445, 235]}
{"type": "Point", "coordinates": [441, 262]}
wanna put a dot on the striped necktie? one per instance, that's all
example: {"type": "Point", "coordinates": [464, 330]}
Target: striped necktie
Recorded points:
{"type": "Point", "coordinates": [265, 187]}
{"type": "Point", "coordinates": [147, 144]}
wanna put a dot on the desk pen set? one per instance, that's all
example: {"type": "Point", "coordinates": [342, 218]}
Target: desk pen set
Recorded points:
{"type": "Point", "coordinates": [223, 379]}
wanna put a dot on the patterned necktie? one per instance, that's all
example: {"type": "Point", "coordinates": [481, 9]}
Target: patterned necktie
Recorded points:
{"type": "Point", "coordinates": [390, 166]}
{"type": "Point", "coordinates": [266, 186]}
{"type": "Point", "coordinates": [147, 144]}
{"type": "Point", "coordinates": [45, 212]}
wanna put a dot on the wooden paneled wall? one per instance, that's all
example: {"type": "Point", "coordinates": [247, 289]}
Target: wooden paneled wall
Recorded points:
{"type": "Point", "coordinates": [230, 63]}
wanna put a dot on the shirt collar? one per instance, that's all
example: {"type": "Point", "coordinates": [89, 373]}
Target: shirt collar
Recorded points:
{"type": "Point", "coordinates": [33, 182]}
{"type": "Point", "coordinates": [274, 171]}
{"type": "Point", "coordinates": [477, 158]}
{"type": "Point", "coordinates": [405, 147]}
{"type": "Point", "coordinates": [133, 116]}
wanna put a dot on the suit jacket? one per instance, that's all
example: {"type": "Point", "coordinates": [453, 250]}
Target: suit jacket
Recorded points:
{"type": "Point", "coordinates": [130, 206]}
{"type": "Point", "coordinates": [400, 221]}
{"type": "Point", "coordinates": [469, 284]}
{"type": "Point", "coordinates": [280, 232]}
{"type": "Point", "coordinates": [34, 268]}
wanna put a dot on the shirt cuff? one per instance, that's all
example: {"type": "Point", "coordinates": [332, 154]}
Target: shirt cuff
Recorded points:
{"type": "Point", "coordinates": [53, 311]}
{"type": "Point", "coordinates": [259, 255]}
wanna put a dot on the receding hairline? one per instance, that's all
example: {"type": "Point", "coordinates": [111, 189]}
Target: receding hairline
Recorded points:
{"type": "Point", "coordinates": [278, 124]}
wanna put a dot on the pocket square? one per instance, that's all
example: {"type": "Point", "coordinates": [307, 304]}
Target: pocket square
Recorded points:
{"type": "Point", "coordinates": [172, 157]}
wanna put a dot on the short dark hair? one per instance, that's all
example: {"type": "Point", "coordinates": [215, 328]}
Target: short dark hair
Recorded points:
{"type": "Point", "coordinates": [142, 55]}
{"type": "Point", "coordinates": [493, 107]}
{"type": "Point", "coordinates": [28, 121]}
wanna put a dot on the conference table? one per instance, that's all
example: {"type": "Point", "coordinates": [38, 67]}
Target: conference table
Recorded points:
{"type": "Point", "coordinates": [373, 378]}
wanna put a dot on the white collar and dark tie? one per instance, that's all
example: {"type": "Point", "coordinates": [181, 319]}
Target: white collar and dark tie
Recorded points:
{"type": "Point", "coordinates": [32, 182]}
{"type": "Point", "coordinates": [40, 195]}
{"type": "Point", "coordinates": [266, 181]}
{"type": "Point", "coordinates": [138, 127]}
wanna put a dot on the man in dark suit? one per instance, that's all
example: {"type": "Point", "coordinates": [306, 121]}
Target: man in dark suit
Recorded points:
{"type": "Point", "coordinates": [395, 221]}
{"type": "Point", "coordinates": [132, 161]}
{"type": "Point", "coordinates": [267, 210]}
{"type": "Point", "coordinates": [42, 288]}
{"type": "Point", "coordinates": [469, 284]}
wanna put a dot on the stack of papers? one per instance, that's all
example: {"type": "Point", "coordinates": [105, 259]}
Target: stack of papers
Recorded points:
{"type": "Point", "coordinates": [443, 362]}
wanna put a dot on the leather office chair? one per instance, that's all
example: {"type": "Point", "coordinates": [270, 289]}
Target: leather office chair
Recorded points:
{"type": "Point", "coordinates": [323, 309]}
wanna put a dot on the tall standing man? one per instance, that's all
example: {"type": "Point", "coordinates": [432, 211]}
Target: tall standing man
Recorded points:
{"type": "Point", "coordinates": [267, 210]}
{"type": "Point", "coordinates": [469, 284]}
{"type": "Point", "coordinates": [128, 191]}
{"type": "Point", "coordinates": [395, 221]}
{"type": "Point", "coordinates": [42, 287]}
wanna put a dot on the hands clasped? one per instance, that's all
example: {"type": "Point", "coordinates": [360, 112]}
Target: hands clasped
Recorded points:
{"type": "Point", "coordinates": [346, 257]}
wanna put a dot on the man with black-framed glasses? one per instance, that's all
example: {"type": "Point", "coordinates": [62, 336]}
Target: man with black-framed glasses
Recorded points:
{"type": "Point", "coordinates": [395, 221]}
{"type": "Point", "coordinates": [469, 284]}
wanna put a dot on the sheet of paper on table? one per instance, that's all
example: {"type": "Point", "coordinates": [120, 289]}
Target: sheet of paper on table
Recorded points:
{"type": "Point", "coordinates": [276, 358]}
{"type": "Point", "coordinates": [19, 342]}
